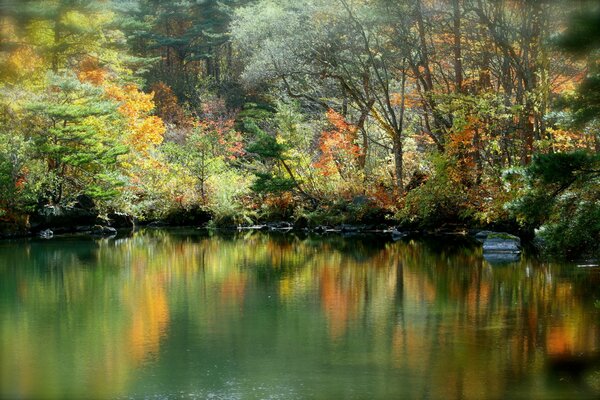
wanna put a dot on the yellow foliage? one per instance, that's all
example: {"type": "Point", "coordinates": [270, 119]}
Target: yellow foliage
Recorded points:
{"type": "Point", "coordinates": [145, 131]}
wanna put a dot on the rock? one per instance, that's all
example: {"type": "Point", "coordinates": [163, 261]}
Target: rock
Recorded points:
{"type": "Point", "coordinates": [195, 216]}
{"type": "Point", "coordinates": [301, 222]}
{"type": "Point", "coordinates": [350, 229]}
{"type": "Point", "coordinates": [381, 228]}
{"type": "Point", "coordinates": [120, 220]}
{"type": "Point", "coordinates": [397, 235]}
{"type": "Point", "coordinates": [501, 243]}
{"type": "Point", "coordinates": [46, 234]}
{"type": "Point", "coordinates": [63, 219]}
{"type": "Point", "coordinates": [99, 230]}
{"type": "Point", "coordinates": [482, 235]}
{"type": "Point", "coordinates": [253, 228]}
{"type": "Point", "coordinates": [280, 226]}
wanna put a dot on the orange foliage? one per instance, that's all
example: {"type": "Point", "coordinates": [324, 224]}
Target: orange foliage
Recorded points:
{"type": "Point", "coordinates": [90, 71]}
{"type": "Point", "coordinates": [283, 201]}
{"type": "Point", "coordinates": [410, 100]}
{"type": "Point", "coordinates": [167, 105]}
{"type": "Point", "coordinates": [145, 131]}
{"type": "Point", "coordinates": [383, 196]}
{"type": "Point", "coordinates": [567, 83]}
{"type": "Point", "coordinates": [337, 146]}
{"type": "Point", "coordinates": [460, 146]}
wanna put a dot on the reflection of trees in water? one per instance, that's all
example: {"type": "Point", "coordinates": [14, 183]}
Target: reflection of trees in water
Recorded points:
{"type": "Point", "coordinates": [454, 325]}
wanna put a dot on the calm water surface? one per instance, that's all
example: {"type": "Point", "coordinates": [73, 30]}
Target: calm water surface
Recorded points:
{"type": "Point", "coordinates": [180, 314]}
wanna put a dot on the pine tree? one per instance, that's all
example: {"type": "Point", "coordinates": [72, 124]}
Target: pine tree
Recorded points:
{"type": "Point", "coordinates": [73, 138]}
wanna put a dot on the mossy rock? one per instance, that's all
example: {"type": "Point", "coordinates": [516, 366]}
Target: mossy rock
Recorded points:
{"type": "Point", "coordinates": [503, 236]}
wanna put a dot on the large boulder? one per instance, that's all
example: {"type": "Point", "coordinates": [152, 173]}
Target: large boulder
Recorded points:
{"type": "Point", "coordinates": [120, 220]}
{"type": "Point", "coordinates": [62, 218]}
{"type": "Point", "coordinates": [502, 243]}
{"type": "Point", "coordinates": [79, 215]}
{"type": "Point", "coordinates": [500, 248]}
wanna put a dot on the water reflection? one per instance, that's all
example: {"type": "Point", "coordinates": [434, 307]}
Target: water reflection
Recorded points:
{"type": "Point", "coordinates": [174, 313]}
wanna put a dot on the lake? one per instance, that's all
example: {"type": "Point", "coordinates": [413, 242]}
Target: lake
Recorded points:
{"type": "Point", "coordinates": [183, 314]}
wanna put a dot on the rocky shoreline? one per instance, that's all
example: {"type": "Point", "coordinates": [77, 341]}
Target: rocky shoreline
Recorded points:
{"type": "Point", "coordinates": [82, 217]}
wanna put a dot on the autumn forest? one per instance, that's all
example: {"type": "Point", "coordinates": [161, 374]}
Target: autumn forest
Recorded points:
{"type": "Point", "coordinates": [422, 114]}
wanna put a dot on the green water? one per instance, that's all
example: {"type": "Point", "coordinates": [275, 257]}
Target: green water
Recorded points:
{"type": "Point", "coordinates": [180, 314]}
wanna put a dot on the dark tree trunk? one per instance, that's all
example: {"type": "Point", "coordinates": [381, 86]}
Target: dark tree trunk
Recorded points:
{"type": "Point", "coordinates": [458, 69]}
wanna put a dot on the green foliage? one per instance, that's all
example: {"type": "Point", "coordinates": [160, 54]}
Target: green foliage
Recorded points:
{"type": "Point", "coordinates": [268, 152]}
{"type": "Point", "coordinates": [188, 41]}
{"type": "Point", "coordinates": [268, 183]}
{"type": "Point", "coordinates": [439, 200]}
{"type": "Point", "coordinates": [72, 137]}
{"type": "Point", "coordinates": [501, 235]}
{"type": "Point", "coordinates": [573, 229]}
{"type": "Point", "coordinates": [560, 170]}
{"type": "Point", "coordinates": [562, 196]}
{"type": "Point", "coordinates": [582, 38]}
{"type": "Point", "coordinates": [226, 203]}
{"type": "Point", "coordinates": [265, 146]}
{"type": "Point", "coordinates": [21, 177]}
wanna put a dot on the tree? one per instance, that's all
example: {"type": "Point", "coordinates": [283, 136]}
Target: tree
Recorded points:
{"type": "Point", "coordinates": [61, 32]}
{"type": "Point", "coordinates": [561, 194]}
{"type": "Point", "coordinates": [72, 135]}
{"type": "Point", "coordinates": [189, 41]}
{"type": "Point", "coordinates": [348, 59]}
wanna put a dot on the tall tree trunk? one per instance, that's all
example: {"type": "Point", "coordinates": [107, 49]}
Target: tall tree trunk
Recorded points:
{"type": "Point", "coordinates": [458, 69]}
{"type": "Point", "coordinates": [423, 46]}
{"type": "Point", "coordinates": [217, 66]}
{"type": "Point", "coordinates": [398, 163]}
{"type": "Point", "coordinates": [360, 126]}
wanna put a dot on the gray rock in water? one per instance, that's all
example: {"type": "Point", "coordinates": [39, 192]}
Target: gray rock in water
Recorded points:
{"type": "Point", "coordinates": [46, 234]}
{"type": "Point", "coordinates": [502, 243]}
{"type": "Point", "coordinates": [99, 230]}
{"type": "Point", "coordinates": [397, 235]}
{"type": "Point", "coordinates": [280, 226]}
{"type": "Point", "coordinates": [501, 258]}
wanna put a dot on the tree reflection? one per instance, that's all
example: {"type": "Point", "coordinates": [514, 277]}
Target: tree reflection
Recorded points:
{"type": "Point", "coordinates": [430, 319]}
